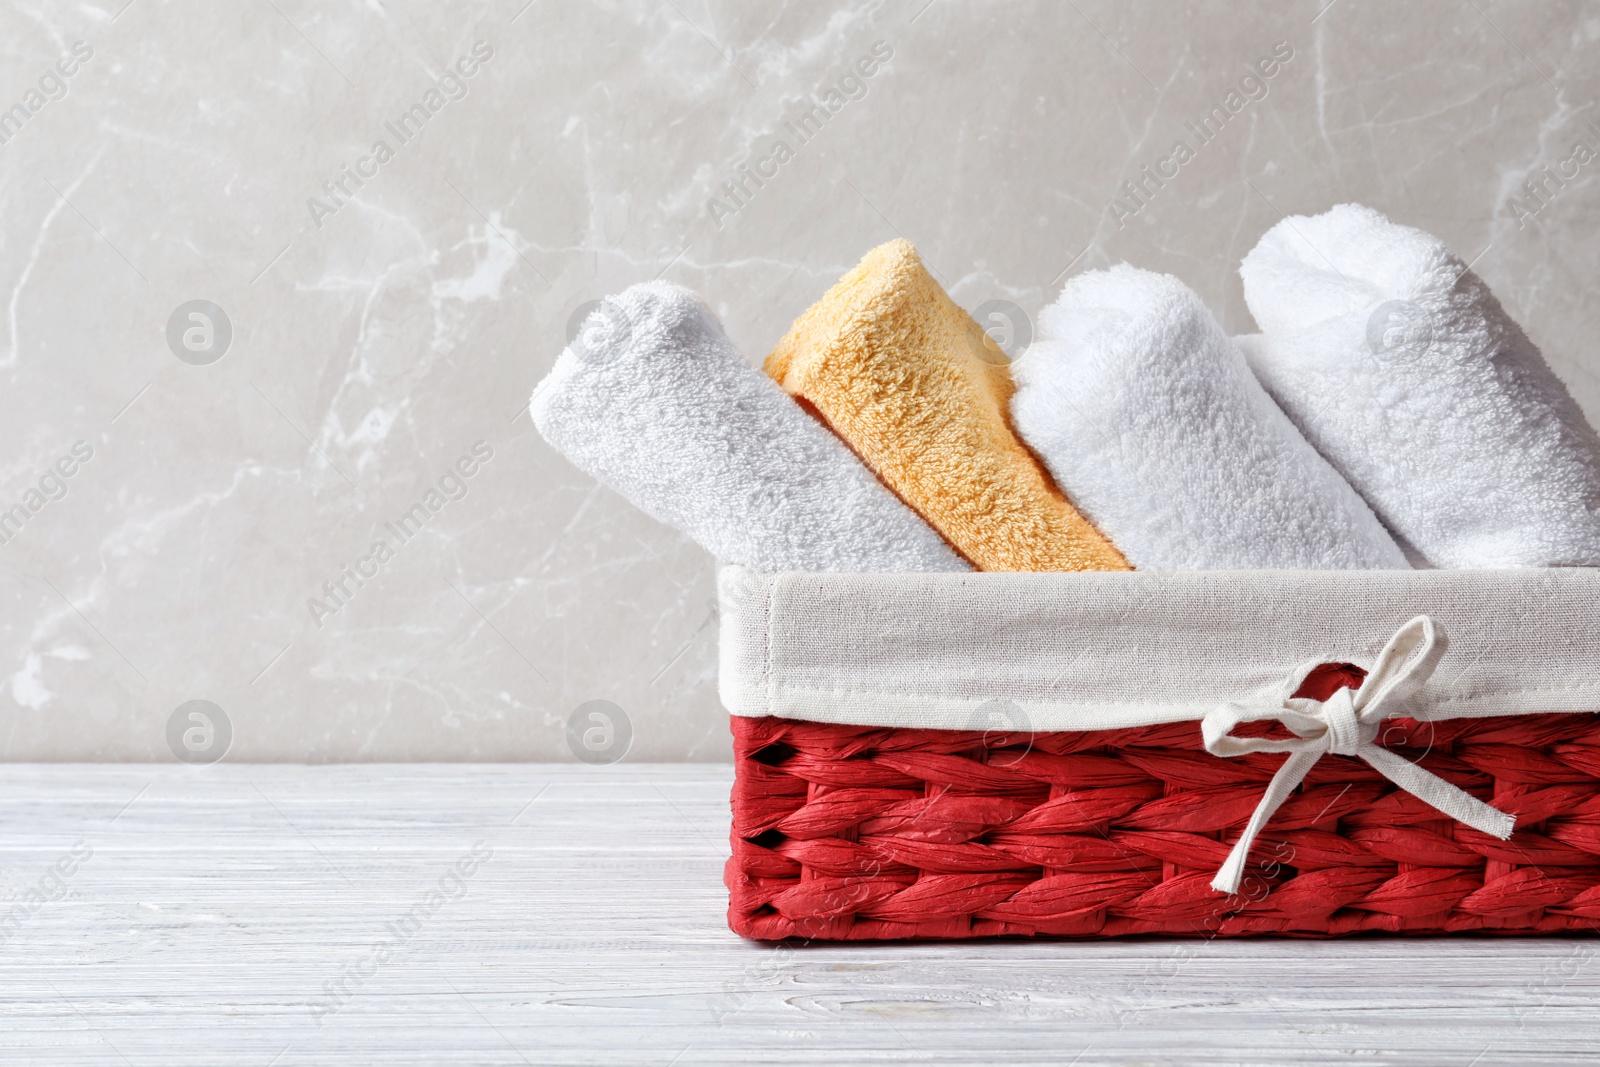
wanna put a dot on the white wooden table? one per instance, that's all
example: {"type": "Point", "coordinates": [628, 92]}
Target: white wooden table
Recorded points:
{"type": "Point", "coordinates": [205, 915]}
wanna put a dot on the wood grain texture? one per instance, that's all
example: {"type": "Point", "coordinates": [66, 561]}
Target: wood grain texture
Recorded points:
{"type": "Point", "coordinates": [219, 905]}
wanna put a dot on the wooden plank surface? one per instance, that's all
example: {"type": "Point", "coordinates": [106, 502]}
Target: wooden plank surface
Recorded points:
{"type": "Point", "coordinates": [205, 915]}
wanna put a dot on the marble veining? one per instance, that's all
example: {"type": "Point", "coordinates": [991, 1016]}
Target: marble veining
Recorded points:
{"type": "Point", "coordinates": [388, 311]}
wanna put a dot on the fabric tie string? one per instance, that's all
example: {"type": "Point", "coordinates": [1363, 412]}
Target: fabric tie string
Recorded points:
{"type": "Point", "coordinates": [1347, 724]}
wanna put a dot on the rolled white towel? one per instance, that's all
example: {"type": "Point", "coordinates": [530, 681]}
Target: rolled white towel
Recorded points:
{"type": "Point", "coordinates": [653, 400]}
{"type": "Point", "coordinates": [1151, 422]}
{"type": "Point", "coordinates": [1402, 368]}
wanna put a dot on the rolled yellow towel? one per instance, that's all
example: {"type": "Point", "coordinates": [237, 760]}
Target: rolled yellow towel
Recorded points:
{"type": "Point", "coordinates": [904, 376]}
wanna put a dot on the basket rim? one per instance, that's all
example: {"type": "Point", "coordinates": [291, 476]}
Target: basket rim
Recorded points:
{"type": "Point", "coordinates": [1113, 650]}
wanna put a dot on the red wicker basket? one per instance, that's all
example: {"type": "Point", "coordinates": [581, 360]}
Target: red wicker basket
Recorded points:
{"type": "Point", "coordinates": [852, 832]}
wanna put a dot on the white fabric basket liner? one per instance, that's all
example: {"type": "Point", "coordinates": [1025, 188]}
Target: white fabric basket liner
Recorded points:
{"type": "Point", "coordinates": [1096, 651]}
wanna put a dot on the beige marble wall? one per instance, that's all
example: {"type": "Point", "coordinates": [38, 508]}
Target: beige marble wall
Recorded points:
{"type": "Point", "coordinates": [378, 337]}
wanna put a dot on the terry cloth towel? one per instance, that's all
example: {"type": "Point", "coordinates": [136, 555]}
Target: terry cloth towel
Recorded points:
{"type": "Point", "coordinates": [1402, 368]}
{"type": "Point", "coordinates": [653, 400]}
{"type": "Point", "coordinates": [906, 378]}
{"type": "Point", "coordinates": [1145, 412]}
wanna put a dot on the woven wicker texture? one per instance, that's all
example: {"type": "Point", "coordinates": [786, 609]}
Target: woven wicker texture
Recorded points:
{"type": "Point", "coordinates": [861, 833]}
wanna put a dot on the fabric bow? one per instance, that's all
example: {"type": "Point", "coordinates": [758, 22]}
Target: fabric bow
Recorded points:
{"type": "Point", "coordinates": [1347, 724]}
